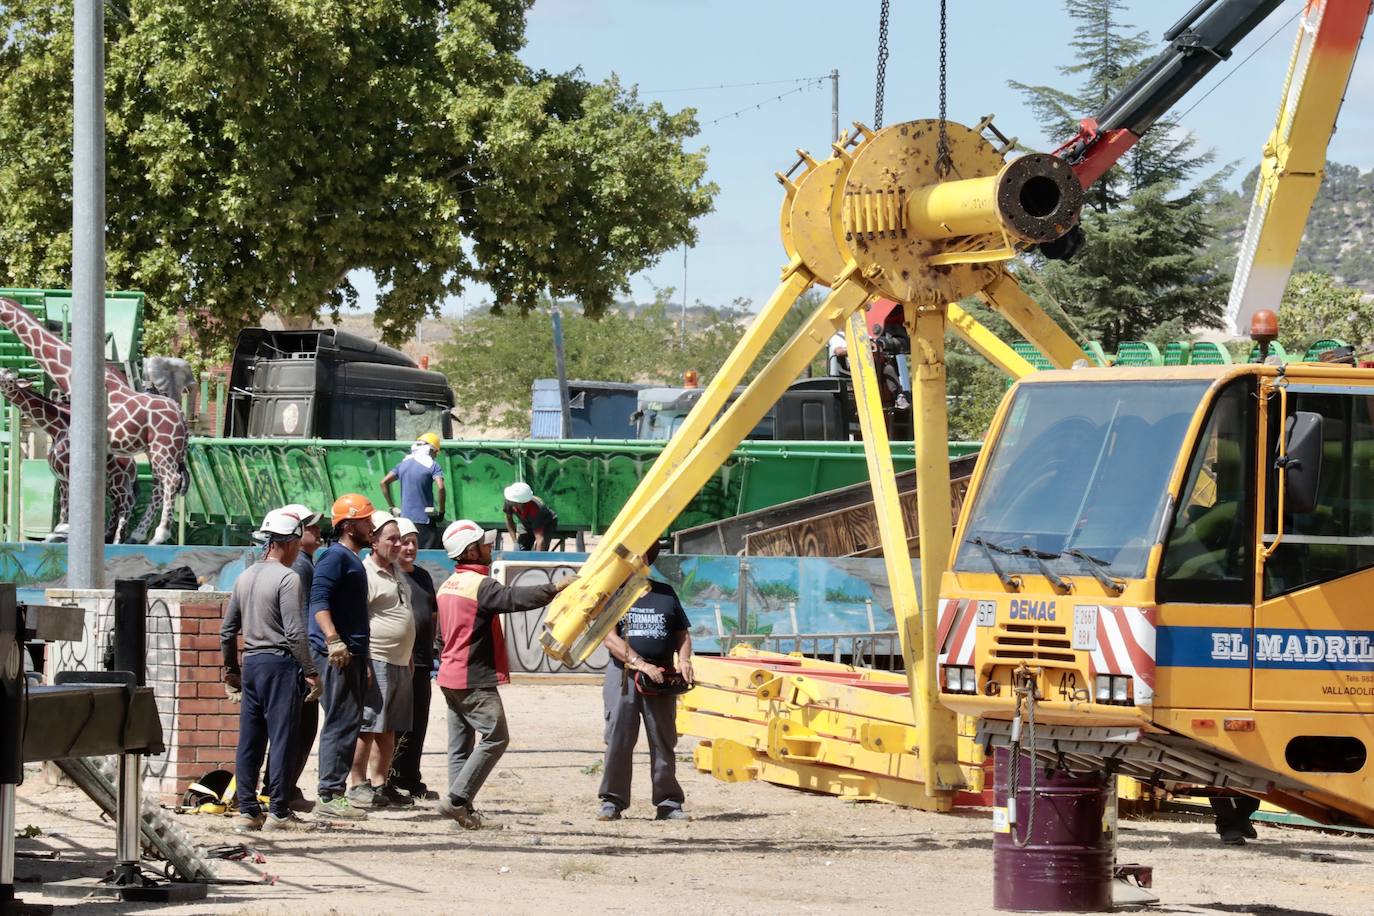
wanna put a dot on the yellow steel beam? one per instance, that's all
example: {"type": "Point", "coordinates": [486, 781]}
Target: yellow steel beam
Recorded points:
{"type": "Point", "coordinates": [1294, 160]}
{"type": "Point", "coordinates": [937, 724]}
{"type": "Point", "coordinates": [1006, 296]}
{"type": "Point", "coordinates": [819, 778]}
{"type": "Point", "coordinates": [985, 343]}
{"type": "Point", "coordinates": [581, 615]}
{"type": "Point", "coordinates": [808, 665]}
{"type": "Point", "coordinates": [771, 740]}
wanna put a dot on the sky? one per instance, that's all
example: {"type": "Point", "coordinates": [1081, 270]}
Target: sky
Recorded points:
{"type": "Point", "coordinates": [672, 48]}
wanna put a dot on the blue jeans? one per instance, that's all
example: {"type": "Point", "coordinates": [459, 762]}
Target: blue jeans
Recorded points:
{"type": "Point", "coordinates": [341, 708]}
{"type": "Point", "coordinates": [269, 713]}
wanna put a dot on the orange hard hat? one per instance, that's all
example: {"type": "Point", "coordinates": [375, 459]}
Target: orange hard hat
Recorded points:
{"type": "Point", "coordinates": [352, 505]}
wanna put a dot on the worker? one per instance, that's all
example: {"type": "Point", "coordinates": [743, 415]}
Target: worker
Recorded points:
{"type": "Point", "coordinates": [410, 745]}
{"type": "Point", "coordinates": [539, 521]}
{"type": "Point", "coordinates": [1233, 817]}
{"type": "Point", "coordinates": [837, 356]}
{"type": "Point", "coordinates": [309, 721]}
{"type": "Point", "coordinates": [422, 490]}
{"type": "Point", "coordinates": [642, 682]}
{"type": "Point", "coordinates": [387, 703]}
{"type": "Point", "coordinates": [277, 665]}
{"type": "Point", "coordinates": [339, 639]}
{"type": "Point", "coordinates": [473, 662]}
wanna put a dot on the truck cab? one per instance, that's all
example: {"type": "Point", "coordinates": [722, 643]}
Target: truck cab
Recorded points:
{"type": "Point", "coordinates": [330, 384]}
{"type": "Point", "coordinates": [1166, 573]}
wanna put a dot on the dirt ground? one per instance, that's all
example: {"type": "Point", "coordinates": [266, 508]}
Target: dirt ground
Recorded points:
{"type": "Point", "coordinates": [750, 847]}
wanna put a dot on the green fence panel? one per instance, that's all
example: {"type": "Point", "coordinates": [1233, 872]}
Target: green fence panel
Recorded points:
{"type": "Point", "coordinates": [1176, 353]}
{"type": "Point", "coordinates": [1099, 355]}
{"type": "Point", "coordinates": [1208, 353]}
{"type": "Point", "coordinates": [1314, 352]}
{"type": "Point", "coordinates": [1138, 353]}
{"type": "Point", "coordinates": [1031, 354]}
{"type": "Point", "coordinates": [1275, 349]}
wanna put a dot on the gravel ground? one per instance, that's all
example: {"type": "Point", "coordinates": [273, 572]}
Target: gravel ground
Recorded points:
{"type": "Point", "coordinates": [750, 847]}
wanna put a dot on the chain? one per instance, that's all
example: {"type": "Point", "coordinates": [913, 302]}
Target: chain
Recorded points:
{"type": "Point", "coordinates": [1026, 692]}
{"type": "Point", "coordinates": [882, 64]}
{"type": "Point", "coordinates": [942, 161]}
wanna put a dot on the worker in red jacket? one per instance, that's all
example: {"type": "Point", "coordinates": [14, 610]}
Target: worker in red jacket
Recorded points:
{"type": "Point", "coordinates": [474, 662]}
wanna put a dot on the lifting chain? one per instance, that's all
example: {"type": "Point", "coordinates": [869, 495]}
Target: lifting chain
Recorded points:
{"type": "Point", "coordinates": [882, 64]}
{"type": "Point", "coordinates": [942, 160]}
{"type": "Point", "coordinates": [1024, 688]}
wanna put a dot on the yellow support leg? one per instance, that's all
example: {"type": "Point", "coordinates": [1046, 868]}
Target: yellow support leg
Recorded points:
{"type": "Point", "coordinates": [985, 343]}
{"type": "Point", "coordinates": [1006, 296]}
{"type": "Point", "coordinates": [939, 734]}
{"type": "Point", "coordinates": [582, 614]}
{"type": "Point", "coordinates": [888, 509]}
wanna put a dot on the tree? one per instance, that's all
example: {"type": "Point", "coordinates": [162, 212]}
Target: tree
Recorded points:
{"type": "Point", "coordinates": [1315, 306]}
{"type": "Point", "coordinates": [1147, 224]}
{"type": "Point", "coordinates": [260, 150]}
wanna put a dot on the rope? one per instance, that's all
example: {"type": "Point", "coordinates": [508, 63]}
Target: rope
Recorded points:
{"type": "Point", "coordinates": [1025, 692]}
{"type": "Point", "coordinates": [942, 160]}
{"type": "Point", "coordinates": [882, 64]}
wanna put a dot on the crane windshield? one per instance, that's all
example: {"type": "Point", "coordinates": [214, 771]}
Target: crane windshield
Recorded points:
{"type": "Point", "coordinates": [1080, 466]}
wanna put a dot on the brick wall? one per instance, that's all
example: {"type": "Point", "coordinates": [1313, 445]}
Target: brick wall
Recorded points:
{"type": "Point", "coordinates": [199, 725]}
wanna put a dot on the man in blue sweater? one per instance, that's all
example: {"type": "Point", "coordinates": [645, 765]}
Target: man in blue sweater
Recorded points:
{"type": "Point", "coordinates": [339, 637]}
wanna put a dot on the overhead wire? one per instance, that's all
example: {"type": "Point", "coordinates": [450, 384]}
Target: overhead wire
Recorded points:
{"type": "Point", "coordinates": [1233, 70]}
{"type": "Point", "coordinates": [799, 79]}
{"type": "Point", "coordinates": [812, 83]}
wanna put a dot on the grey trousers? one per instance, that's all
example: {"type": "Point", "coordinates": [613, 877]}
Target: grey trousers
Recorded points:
{"type": "Point", "coordinates": [473, 713]}
{"type": "Point", "coordinates": [341, 701]}
{"type": "Point", "coordinates": [623, 712]}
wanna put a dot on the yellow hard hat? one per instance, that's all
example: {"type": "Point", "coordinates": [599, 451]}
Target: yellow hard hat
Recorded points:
{"type": "Point", "coordinates": [430, 439]}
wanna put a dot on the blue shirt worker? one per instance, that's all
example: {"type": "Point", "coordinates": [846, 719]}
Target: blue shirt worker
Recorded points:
{"type": "Point", "coordinates": [540, 523]}
{"type": "Point", "coordinates": [339, 642]}
{"type": "Point", "coordinates": [277, 671]}
{"type": "Point", "coordinates": [422, 490]}
{"type": "Point", "coordinates": [639, 686]}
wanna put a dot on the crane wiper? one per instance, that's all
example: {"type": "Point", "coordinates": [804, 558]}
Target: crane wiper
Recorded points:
{"type": "Point", "coordinates": [1009, 581]}
{"type": "Point", "coordinates": [1060, 584]}
{"type": "Point", "coordinates": [1096, 566]}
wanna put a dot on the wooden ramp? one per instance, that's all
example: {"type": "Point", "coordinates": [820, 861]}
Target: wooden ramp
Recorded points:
{"type": "Point", "coordinates": [837, 523]}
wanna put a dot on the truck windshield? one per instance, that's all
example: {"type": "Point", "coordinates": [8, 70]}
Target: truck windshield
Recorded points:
{"type": "Point", "coordinates": [1079, 466]}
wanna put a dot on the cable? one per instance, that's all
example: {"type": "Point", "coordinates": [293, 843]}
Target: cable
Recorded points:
{"type": "Point", "coordinates": [800, 79]}
{"type": "Point", "coordinates": [881, 85]}
{"type": "Point", "coordinates": [1232, 72]}
{"type": "Point", "coordinates": [812, 84]}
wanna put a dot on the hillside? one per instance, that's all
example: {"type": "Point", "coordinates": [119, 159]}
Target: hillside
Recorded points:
{"type": "Point", "coordinates": [1340, 232]}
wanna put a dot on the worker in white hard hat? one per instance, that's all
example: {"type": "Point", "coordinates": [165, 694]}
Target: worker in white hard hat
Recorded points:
{"type": "Point", "coordinates": [422, 490]}
{"type": "Point", "coordinates": [309, 722]}
{"type": "Point", "coordinates": [537, 518]}
{"type": "Point", "coordinates": [277, 664]}
{"type": "Point", "coordinates": [474, 662]}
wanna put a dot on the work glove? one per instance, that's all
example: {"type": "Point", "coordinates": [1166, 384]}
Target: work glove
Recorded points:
{"type": "Point", "coordinates": [339, 656]}
{"type": "Point", "coordinates": [433, 511]}
{"type": "Point", "coordinates": [313, 694]}
{"type": "Point", "coordinates": [233, 687]}
{"type": "Point", "coordinates": [394, 511]}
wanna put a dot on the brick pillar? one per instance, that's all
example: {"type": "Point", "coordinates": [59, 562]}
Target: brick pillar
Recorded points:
{"type": "Point", "coordinates": [205, 724]}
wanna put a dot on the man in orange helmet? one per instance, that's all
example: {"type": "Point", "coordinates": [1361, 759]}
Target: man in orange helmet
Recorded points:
{"type": "Point", "coordinates": [339, 640]}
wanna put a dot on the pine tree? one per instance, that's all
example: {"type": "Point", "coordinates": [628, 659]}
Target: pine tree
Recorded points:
{"type": "Point", "coordinates": [1148, 221]}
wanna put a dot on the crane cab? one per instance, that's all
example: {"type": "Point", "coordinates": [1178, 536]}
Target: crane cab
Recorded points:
{"type": "Point", "coordinates": [1174, 567]}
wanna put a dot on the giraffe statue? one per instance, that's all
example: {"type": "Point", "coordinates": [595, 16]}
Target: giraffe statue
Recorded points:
{"type": "Point", "coordinates": [54, 420]}
{"type": "Point", "coordinates": [136, 422]}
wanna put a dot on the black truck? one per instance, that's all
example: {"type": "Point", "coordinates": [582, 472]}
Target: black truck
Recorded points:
{"type": "Point", "coordinates": [330, 384]}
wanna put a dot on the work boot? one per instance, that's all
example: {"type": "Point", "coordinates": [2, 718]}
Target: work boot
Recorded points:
{"type": "Point", "coordinates": [1249, 830]}
{"type": "Point", "coordinates": [365, 795]}
{"type": "Point", "coordinates": [610, 811]}
{"type": "Point", "coordinates": [670, 813]}
{"type": "Point", "coordinates": [339, 808]}
{"type": "Point", "coordinates": [1233, 838]}
{"type": "Point", "coordinates": [244, 822]}
{"type": "Point", "coordinates": [467, 818]}
{"type": "Point", "coordinates": [395, 797]}
{"type": "Point", "coordinates": [288, 824]}
{"type": "Point", "coordinates": [298, 802]}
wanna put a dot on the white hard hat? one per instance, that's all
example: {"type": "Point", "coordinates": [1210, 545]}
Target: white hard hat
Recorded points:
{"type": "Point", "coordinates": [308, 517]}
{"type": "Point", "coordinates": [406, 526]}
{"type": "Point", "coordinates": [519, 492]}
{"type": "Point", "coordinates": [462, 534]}
{"type": "Point", "coordinates": [282, 523]}
{"type": "Point", "coordinates": [380, 518]}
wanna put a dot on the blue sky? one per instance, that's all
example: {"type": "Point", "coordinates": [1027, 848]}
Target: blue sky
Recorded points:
{"type": "Point", "coordinates": [681, 44]}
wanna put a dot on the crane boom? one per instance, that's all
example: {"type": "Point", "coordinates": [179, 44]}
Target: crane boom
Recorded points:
{"type": "Point", "coordinates": [1295, 154]}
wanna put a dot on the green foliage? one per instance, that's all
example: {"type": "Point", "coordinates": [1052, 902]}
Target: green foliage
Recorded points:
{"type": "Point", "coordinates": [1316, 306]}
{"type": "Point", "coordinates": [974, 386]}
{"type": "Point", "coordinates": [1145, 260]}
{"type": "Point", "coordinates": [260, 150]}
{"type": "Point", "coordinates": [782, 591]}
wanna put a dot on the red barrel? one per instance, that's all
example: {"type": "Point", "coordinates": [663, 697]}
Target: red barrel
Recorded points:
{"type": "Point", "coordinates": [1067, 865]}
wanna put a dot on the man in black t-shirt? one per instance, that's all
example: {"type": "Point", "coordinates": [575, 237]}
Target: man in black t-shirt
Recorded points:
{"type": "Point", "coordinates": [653, 631]}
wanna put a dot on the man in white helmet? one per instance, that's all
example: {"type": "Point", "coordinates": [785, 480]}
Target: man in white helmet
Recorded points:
{"type": "Point", "coordinates": [309, 723]}
{"type": "Point", "coordinates": [474, 662]}
{"type": "Point", "coordinates": [539, 521]}
{"type": "Point", "coordinates": [277, 671]}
